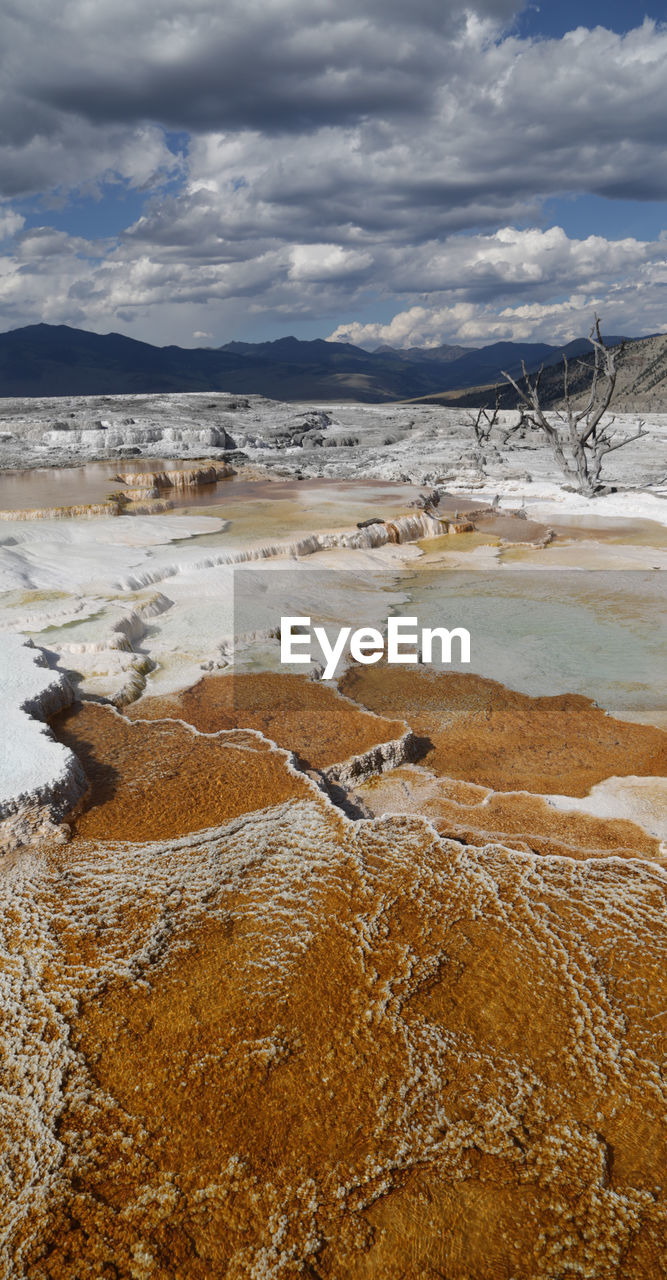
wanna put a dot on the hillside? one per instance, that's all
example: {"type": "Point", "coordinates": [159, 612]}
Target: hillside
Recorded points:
{"type": "Point", "coordinates": [641, 384]}
{"type": "Point", "coordinates": [55, 360]}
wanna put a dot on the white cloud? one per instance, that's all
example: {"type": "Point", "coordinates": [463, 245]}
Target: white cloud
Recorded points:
{"type": "Point", "coordinates": [10, 223]}
{"type": "Point", "coordinates": [622, 280]}
{"type": "Point", "coordinates": [513, 284]}
{"type": "Point", "coordinates": [338, 150]}
{"type": "Point", "coordinates": [326, 262]}
{"type": "Point", "coordinates": [533, 260]}
{"type": "Point", "coordinates": [109, 68]}
{"type": "Point", "coordinates": [70, 154]}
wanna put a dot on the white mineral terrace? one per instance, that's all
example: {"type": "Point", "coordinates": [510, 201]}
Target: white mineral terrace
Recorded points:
{"type": "Point", "coordinates": [134, 603]}
{"type": "Point", "coordinates": [34, 768]}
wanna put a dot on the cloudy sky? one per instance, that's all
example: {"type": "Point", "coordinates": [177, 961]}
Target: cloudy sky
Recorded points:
{"type": "Point", "coordinates": [374, 170]}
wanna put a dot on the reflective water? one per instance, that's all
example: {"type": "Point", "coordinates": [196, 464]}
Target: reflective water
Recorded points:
{"type": "Point", "coordinates": [600, 634]}
{"type": "Point", "coordinates": [78, 486]}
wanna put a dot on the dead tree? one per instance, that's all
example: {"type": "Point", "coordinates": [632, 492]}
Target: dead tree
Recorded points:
{"type": "Point", "coordinates": [518, 428]}
{"type": "Point", "coordinates": [579, 438]}
{"type": "Point", "coordinates": [482, 421]}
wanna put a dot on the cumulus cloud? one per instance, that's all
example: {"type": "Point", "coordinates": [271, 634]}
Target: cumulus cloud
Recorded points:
{"type": "Point", "coordinates": [72, 154]}
{"type": "Point", "coordinates": [337, 153]}
{"type": "Point", "coordinates": [510, 260]}
{"type": "Point", "coordinates": [633, 307]}
{"type": "Point", "coordinates": [512, 284]}
{"type": "Point", "coordinates": [269, 64]}
{"type": "Point", "coordinates": [326, 262]}
{"type": "Point", "coordinates": [10, 223]}
{"type": "Point", "coordinates": [455, 113]}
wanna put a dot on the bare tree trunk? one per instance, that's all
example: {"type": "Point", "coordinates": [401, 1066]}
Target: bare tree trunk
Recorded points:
{"type": "Point", "coordinates": [482, 422]}
{"type": "Point", "coordinates": [579, 438]}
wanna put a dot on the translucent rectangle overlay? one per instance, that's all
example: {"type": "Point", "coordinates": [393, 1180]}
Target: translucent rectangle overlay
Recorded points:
{"type": "Point", "coordinates": [597, 633]}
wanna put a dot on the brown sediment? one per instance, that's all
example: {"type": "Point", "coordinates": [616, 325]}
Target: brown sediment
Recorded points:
{"type": "Point", "coordinates": [476, 815]}
{"type": "Point", "coordinates": [138, 507]}
{"type": "Point", "coordinates": [484, 733]}
{"type": "Point", "coordinates": [309, 1048]}
{"type": "Point", "coordinates": [64, 513]}
{"type": "Point", "coordinates": [147, 507]}
{"type": "Point", "coordinates": [182, 478]}
{"type": "Point", "coordinates": [511, 528]}
{"type": "Point", "coordinates": [300, 1046]}
{"type": "Point", "coordinates": [432, 548]}
{"type": "Point", "coordinates": [487, 528]}
{"type": "Point", "coordinates": [296, 713]}
{"type": "Point", "coordinates": [157, 781]}
{"type": "Point", "coordinates": [623, 531]}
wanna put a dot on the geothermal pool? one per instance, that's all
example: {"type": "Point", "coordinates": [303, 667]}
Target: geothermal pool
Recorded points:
{"type": "Point", "coordinates": [75, 585]}
{"type": "Point", "coordinates": [91, 483]}
{"type": "Point", "coordinates": [473, 857]}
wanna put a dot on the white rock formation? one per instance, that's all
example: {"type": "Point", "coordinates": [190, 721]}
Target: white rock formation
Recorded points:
{"type": "Point", "coordinates": [35, 770]}
{"type": "Point", "coordinates": [425, 443]}
{"type": "Point", "coordinates": [379, 759]}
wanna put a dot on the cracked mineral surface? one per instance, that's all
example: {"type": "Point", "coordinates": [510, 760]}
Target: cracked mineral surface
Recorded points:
{"type": "Point", "coordinates": [352, 980]}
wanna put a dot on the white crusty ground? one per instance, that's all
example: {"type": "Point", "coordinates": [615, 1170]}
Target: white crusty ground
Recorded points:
{"type": "Point", "coordinates": [122, 604]}
{"type": "Point", "coordinates": [565, 921]}
{"type": "Point", "coordinates": [34, 768]}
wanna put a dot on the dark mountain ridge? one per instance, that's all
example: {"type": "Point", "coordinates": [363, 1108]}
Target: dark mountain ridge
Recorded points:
{"type": "Point", "coordinates": [55, 360]}
{"type": "Point", "coordinates": [641, 383]}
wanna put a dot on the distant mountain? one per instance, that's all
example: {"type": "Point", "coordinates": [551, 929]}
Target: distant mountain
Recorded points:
{"type": "Point", "coordinates": [444, 353]}
{"type": "Point", "coordinates": [479, 367]}
{"type": "Point", "coordinates": [55, 360]}
{"type": "Point", "coordinates": [294, 351]}
{"type": "Point", "coordinates": [641, 384]}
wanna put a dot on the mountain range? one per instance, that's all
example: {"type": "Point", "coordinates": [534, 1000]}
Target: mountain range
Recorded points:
{"type": "Point", "coordinates": [56, 360]}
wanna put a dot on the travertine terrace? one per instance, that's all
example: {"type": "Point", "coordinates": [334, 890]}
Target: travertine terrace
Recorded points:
{"type": "Point", "coordinates": [354, 979]}
{"type": "Point", "coordinates": [297, 1044]}
{"type": "Point", "coordinates": [497, 738]}
{"type": "Point", "coordinates": [424, 442]}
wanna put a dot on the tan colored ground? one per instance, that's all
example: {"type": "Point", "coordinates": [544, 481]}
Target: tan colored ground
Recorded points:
{"type": "Point", "coordinates": [482, 732]}
{"type": "Point", "coordinates": [303, 1048]}
{"type": "Point", "coordinates": [249, 1039]}
{"type": "Point", "coordinates": [155, 781]}
{"type": "Point", "coordinates": [476, 815]}
{"type": "Point", "coordinates": [298, 714]}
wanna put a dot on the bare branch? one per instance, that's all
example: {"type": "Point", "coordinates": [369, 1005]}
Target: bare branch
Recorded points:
{"type": "Point", "coordinates": [483, 421]}
{"type": "Point", "coordinates": [516, 386]}
{"type": "Point", "coordinates": [639, 434]}
{"type": "Point", "coordinates": [584, 437]}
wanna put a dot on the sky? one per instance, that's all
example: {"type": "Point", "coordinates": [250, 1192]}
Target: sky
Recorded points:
{"type": "Point", "coordinates": [369, 171]}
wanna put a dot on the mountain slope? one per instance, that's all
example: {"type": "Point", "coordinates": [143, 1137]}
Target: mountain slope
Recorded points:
{"type": "Point", "coordinates": [641, 385]}
{"type": "Point", "coordinates": [52, 360]}
{"type": "Point", "coordinates": [41, 360]}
